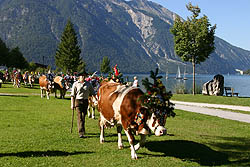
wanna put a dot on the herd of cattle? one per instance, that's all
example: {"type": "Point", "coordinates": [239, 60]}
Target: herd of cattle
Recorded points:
{"type": "Point", "coordinates": [58, 83]}
{"type": "Point", "coordinates": [118, 106]}
{"type": "Point", "coordinates": [17, 77]}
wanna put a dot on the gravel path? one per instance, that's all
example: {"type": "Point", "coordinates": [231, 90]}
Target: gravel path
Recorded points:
{"type": "Point", "coordinates": [204, 108]}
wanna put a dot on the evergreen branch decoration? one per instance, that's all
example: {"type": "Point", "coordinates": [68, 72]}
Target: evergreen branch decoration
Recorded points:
{"type": "Point", "coordinates": [156, 98]}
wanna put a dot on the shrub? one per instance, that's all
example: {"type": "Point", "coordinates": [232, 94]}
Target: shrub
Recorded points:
{"type": "Point", "coordinates": [180, 88]}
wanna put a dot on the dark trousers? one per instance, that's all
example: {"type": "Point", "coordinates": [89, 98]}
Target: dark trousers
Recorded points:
{"type": "Point", "coordinates": [81, 109]}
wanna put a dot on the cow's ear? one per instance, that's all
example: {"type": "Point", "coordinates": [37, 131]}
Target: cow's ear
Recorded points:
{"type": "Point", "coordinates": [145, 111]}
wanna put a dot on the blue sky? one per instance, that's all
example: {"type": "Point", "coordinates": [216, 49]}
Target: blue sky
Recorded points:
{"type": "Point", "coordinates": [231, 17]}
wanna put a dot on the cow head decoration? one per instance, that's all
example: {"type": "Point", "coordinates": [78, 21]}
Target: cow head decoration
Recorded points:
{"type": "Point", "coordinates": [156, 100]}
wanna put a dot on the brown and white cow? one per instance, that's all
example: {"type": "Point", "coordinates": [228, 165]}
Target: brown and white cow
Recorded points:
{"type": "Point", "coordinates": [58, 85]}
{"type": "Point", "coordinates": [25, 77]}
{"type": "Point", "coordinates": [31, 79]}
{"type": "Point", "coordinates": [17, 80]}
{"type": "Point", "coordinates": [45, 86]}
{"type": "Point", "coordinates": [119, 105]}
{"type": "Point", "coordinates": [93, 105]}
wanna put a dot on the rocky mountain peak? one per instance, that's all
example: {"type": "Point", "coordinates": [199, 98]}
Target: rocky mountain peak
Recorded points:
{"type": "Point", "coordinates": [132, 33]}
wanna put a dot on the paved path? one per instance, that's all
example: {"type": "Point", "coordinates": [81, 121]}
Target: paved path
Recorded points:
{"type": "Point", "coordinates": [209, 109]}
{"type": "Point", "coordinates": [231, 107]}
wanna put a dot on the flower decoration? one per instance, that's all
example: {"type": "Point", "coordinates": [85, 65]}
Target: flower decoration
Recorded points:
{"type": "Point", "coordinates": [116, 75]}
{"type": "Point", "coordinates": [156, 98]}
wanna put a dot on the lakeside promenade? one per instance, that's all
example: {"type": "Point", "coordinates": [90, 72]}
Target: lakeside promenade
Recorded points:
{"type": "Point", "coordinates": [212, 110]}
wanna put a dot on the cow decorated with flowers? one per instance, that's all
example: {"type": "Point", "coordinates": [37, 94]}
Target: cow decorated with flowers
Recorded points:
{"type": "Point", "coordinates": [136, 112]}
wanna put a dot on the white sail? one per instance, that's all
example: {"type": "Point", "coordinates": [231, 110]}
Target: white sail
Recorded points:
{"type": "Point", "coordinates": [167, 70]}
{"type": "Point", "coordinates": [178, 75]}
{"type": "Point", "coordinates": [167, 74]}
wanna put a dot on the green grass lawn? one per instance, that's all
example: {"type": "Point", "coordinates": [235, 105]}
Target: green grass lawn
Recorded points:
{"type": "Point", "coordinates": [36, 132]}
{"type": "Point", "coordinates": [24, 89]}
{"type": "Point", "coordinates": [241, 101]}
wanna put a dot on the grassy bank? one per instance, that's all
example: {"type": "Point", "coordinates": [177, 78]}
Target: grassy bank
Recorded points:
{"type": "Point", "coordinates": [36, 132]}
{"type": "Point", "coordinates": [241, 101]}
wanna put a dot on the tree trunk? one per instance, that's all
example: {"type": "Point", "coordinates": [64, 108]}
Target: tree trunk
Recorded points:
{"type": "Point", "coordinates": [193, 62]}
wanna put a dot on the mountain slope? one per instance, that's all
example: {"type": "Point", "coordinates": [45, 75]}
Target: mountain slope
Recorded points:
{"type": "Point", "coordinates": [133, 34]}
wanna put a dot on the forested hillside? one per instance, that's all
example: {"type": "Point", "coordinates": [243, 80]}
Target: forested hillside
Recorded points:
{"type": "Point", "coordinates": [133, 34]}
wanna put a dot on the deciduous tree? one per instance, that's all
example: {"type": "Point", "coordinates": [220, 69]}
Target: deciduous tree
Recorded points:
{"type": "Point", "coordinates": [193, 38]}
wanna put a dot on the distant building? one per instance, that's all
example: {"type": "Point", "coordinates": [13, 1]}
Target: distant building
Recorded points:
{"type": "Point", "coordinates": [41, 65]}
{"type": "Point", "coordinates": [240, 71]}
{"type": "Point", "coordinates": [3, 68]}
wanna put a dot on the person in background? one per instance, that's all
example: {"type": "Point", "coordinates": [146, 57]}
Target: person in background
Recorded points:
{"type": "Point", "coordinates": [50, 76]}
{"type": "Point", "coordinates": [135, 83]}
{"type": "Point", "coordinates": [81, 90]}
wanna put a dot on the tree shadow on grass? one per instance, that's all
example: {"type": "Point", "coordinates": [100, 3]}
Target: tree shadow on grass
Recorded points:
{"type": "Point", "coordinates": [238, 148]}
{"type": "Point", "coordinates": [48, 153]}
{"type": "Point", "coordinates": [189, 151]}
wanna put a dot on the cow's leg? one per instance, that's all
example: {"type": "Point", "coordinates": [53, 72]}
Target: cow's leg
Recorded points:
{"type": "Point", "coordinates": [119, 132]}
{"type": "Point", "coordinates": [55, 93]}
{"type": "Point", "coordinates": [101, 123]}
{"type": "Point", "coordinates": [131, 140]}
{"type": "Point", "coordinates": [141, 143]}
{"type": "Point", "coordinates": [41, 93]}
{"type": "Point", "coordinates": [89, 108]}
{"type": "Point", "coordinates": [64, 93]}
{"type": "Point", "coordinates": [18, 84]}
{"type": "Point", "coordinates": [61, 94]}
{"type": "Point", "coordinates": [93, 112]}
{"type": "Point", "coordinates": [47, 92]}
{"type": "Point", "coordinates": [30, 83]}
{"type": "Point", "coordinates": [101, 133]}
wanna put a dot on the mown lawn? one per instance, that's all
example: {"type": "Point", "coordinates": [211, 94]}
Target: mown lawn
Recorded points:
{"type": "Point", "coordinates": [36, 132]}
{"type": "Point", "coordinates": [24, 89]}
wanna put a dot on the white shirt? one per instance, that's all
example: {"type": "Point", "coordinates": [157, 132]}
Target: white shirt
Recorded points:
{"type": "Point", "coordinates": [82, 90]}
{"type": "Point", "coordinates": [135, 83]}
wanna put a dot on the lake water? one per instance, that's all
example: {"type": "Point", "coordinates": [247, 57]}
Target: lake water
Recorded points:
{"type": "Point", "coordinates": [240, 83]}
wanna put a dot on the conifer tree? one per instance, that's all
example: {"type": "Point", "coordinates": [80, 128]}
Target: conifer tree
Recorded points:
{"type": "Point", "coordinates": [4, 51]}
{"type": "Point", "coordinates": [16, 59]}
{"type": "Point", "coordinates": [193, 38]}
{"type": "Point", "coordinates": [105, 65]}
{"type": "Point", "coordinates": [67, 56]}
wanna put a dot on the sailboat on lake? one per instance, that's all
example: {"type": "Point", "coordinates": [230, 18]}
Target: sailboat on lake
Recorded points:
{"type": "Point", "coordinates": [184, 74]}
{"type": "Point", "coordinates": [167, 74]}
{"type": "Point", "coordinates": [167, 70]}
{"type": "Point", "coordinates": [178, 74]}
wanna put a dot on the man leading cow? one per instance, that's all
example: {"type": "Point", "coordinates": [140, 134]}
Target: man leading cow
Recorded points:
{"type": "Point", "coordinates": [81, 90]}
